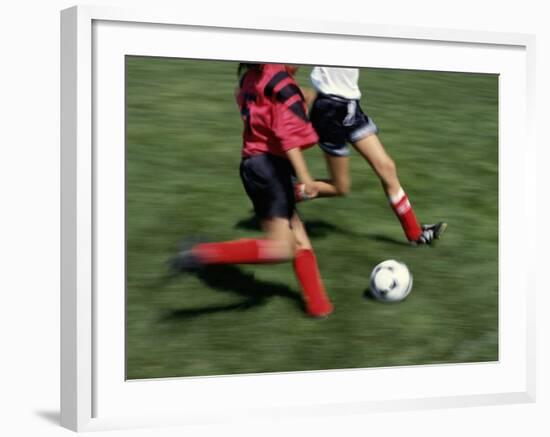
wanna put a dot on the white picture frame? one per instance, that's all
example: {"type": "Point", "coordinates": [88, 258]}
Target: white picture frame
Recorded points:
{"type": "Point", "coordinates": [92, 393]}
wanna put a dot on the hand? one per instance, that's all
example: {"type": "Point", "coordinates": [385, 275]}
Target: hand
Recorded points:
{"type": "Point", "coordinates": [311, 190]}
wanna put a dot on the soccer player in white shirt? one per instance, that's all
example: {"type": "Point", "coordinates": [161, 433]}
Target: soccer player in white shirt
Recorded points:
{"type": "Point", "coordinates": [338, 119]}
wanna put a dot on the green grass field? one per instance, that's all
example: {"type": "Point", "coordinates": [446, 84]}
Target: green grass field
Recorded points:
{"type": "Point", "coordinates": [183, 152]}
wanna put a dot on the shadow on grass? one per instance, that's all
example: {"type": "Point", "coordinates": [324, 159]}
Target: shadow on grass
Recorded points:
{"type": "Point", "coordinates": [315, 228]}
{"type": "Point", "coordinates": [230, 278]}
{"type": "Point", "coordinates": [367, 294]}
{"type": "Point", "coordinates": [322, 228]}
{"type": "Point", "coordinates": [385, 239]}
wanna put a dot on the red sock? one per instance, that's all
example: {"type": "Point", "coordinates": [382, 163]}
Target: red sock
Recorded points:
{"type": "Point", "coordinates": [403, 209]}
{"type": "Point", "coordinates": [245, 251]}
{"type": "Point", "coordinates": [307, 272]}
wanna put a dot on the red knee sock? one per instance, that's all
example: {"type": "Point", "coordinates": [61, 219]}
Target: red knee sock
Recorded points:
{"type": "Point", "coordinates": [307, 272]}
{"type": "Point", "coordinates": [245, 251]}
{"type": "Point", "coordinates": [403, 209]}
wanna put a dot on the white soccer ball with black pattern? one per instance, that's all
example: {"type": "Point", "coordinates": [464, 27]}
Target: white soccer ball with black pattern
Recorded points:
{"type": "Point", "coordinates": [390, 281]}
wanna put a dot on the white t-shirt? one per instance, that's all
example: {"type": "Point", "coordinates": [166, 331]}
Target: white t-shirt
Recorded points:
{"type": "Point", "coordinates": [342, 82]}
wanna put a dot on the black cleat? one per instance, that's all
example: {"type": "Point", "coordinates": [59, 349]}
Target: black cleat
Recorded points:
{"type": "Point", "coordinates": [430, 233]}
{"type": "Point", "coordinates": [185, 260]}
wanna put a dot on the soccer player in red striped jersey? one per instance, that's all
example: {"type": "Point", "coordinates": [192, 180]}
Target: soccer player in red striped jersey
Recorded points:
{"type": "Point", "coordinates": [276, 129]}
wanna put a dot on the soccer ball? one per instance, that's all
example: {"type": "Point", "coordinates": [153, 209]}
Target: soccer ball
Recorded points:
{"type": "Point", "coordinates": [390, 281]}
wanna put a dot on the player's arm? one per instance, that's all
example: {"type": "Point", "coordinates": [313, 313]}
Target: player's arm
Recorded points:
{"type": "Point", "coordinates": [296, 158]}
{"type": "Point", "coordinates": [309, 95]}
{"type": "Point", "coordinates": [291, 125]}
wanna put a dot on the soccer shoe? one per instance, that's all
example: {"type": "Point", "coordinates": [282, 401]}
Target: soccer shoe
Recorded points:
{"type": "Point", "coordinates": [185, 260]}
{"type": "Point", "coordinates": [320, 309]}
{"type": "Point", "coordinates": [431, 233]}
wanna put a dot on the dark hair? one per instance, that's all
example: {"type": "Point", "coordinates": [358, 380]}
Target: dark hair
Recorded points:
{"type": "Point", "coordinates": [243, 68]}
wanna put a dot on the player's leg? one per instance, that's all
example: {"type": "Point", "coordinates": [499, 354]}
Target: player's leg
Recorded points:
{"type": "Point", "coordinates": [383, 165]}
{"type": "Point", "coordinates": [339, 183]}
{"type": "Point", "coordinates": [371, 148]}
{"type": "Point", "coordinates": [262, 180]}
{"type": "Point", "coordinates": [307, 272]}
{"type": "Point", "coordinates": [305, 263]}
{"type": "Point", "coordinates": [279, 235]}
{"type": "Point", "coordinates": [326, 116]}
{"type": "Point", "coordinates": [277, 245]}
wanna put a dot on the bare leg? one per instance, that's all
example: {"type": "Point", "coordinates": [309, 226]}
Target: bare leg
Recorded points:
{"type": "Point", "coordinates": [383, 165]}
{"type": "Point", "coordinates": [339, 183]}
{"type": "Point", "coordinates": [374, 153]}
{"type": "Point", "coordinates": [300, 235]}
{"type": "Point", "coordinates": [281, 243]}
{"type": "Point", "coordinates": [281, 238]}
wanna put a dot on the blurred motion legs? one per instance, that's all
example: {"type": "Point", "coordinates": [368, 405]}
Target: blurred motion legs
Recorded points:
{"type": "Point", "coordinates": [284, 240]}
{"type": "Point", "coordinates": [243, 251]}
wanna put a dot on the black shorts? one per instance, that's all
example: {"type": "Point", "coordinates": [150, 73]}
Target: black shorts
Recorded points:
{"type": "Point", "coordinates": [268, 181]}
{"type": "Point", "coordinates": [339, 121]}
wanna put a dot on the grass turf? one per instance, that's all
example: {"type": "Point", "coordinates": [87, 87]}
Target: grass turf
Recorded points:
{"type": "Point", "coordinates": [183, 152]}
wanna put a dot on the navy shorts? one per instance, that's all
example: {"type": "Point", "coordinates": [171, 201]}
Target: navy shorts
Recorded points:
{"type": "Point", "coordinates": [338, 122]}
{"type": "Point", "coordinates": [268, 181]}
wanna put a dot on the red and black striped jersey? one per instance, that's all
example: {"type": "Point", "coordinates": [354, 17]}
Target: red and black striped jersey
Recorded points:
{"type": "Point", "coordinates": [274, 112]}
